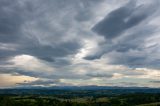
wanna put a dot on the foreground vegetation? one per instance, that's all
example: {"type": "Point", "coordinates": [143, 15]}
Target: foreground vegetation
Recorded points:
{"type": "Point", "coordinates": [136, 99]}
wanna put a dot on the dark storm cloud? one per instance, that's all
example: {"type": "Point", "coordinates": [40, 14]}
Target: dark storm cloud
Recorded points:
{"type": "Point", "coordinates": [16, 28]}
{"type": "Point", "coordinates": [49, 53]}
{"type": "Point", "coordinates": [10, 21]}
{"type": "Point", "coordinates": [49, 39]}
{"type": "Point", "coordinates": [93, 57]}
{"type": "Point", "coordinates": [39, 28]}
{"type": "Point", "coordinates": [122, 19]}
{"type": "Point", "coordinates": [135, 19]}
{"type": "Point", "coordinates": [126, 30]}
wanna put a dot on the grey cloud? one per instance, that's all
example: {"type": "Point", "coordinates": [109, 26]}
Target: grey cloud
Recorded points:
{"type": "Point", "coordinates": [156, 82]}
{"type": "Point", "coordinates": [132, 51]}
{"type": "Point", "coordinates": [124, 84]}
{"type": "Point", "coordinates": [39, 82]}
{"type": "Point", "coordinates": [45, 52]}
{"type": "Point", "coordinates": [19, 20]}
{"type": "Point", "coordinates": [10, 21]}
{"type": "Point", "coordinates": [18, 72]}
{"type": "Point", "coordinates": [41, 29]}
{"type": "Point", "coordinates": [130, 84]}
{"type": "Point", "coordinates": [62, 62]}
{"type": "Point", "coordinates": [93, 57]}
{"type": "Point", "coordinates": [99, 75]}
{"type": "Point", "coordinates": [121, 19]}
{"type": "Point", "coordinates": [85, 13]}
{"type": "Point", "coordinates": [127, 44]}
{"type": "Point", "coordinates": [135, 58]}
{"type": "Point", "coordinates": [129, 60]}
{"type": "Point", "coordinates": [59, 73]}
{"type": "Point", "coordinates": [53, 31]}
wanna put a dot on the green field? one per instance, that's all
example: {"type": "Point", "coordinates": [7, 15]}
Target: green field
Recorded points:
{"type": "Point", "coordinates": [151, 104]}
{"type": "Point", "coordinates": [136, 99]}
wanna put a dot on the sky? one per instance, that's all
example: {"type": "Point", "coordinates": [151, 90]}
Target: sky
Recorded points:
{"type": "Point", "coordinates": [79, 43]}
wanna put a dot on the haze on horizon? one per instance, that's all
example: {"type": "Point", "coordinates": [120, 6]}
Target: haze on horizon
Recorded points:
{"type": "Point", "coordinates": [79, 42]}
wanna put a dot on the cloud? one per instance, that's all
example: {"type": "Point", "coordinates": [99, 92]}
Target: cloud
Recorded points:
{"type": "Point", "coordinates": [10, 20]}
{"type": "Point", "coordinates": [156, 82]}
{"type": "Point", "coordinates": [128, 31]}
{"type": "Point", "coordinates": [35, 34]}
{"type": "Point", "coordinates": [38, 83]}
{"type": "Point", "coordinates": [9, 80]}
{"type": "Point", "coordinates": [100, 75]}
{"type": "Point", "coordinates": [123, 18]}
{"type": "Point", "coordinates": [79, 42]}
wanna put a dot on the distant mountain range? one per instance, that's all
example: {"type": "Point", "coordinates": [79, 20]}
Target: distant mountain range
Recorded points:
{"type": "Point", "coordinates": [93, 87]}
{"type": "Point", "coordinates": [108, 90]}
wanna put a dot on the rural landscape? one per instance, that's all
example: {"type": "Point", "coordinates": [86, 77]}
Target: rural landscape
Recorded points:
{"type": "Point", "coordinates": [81, 96]}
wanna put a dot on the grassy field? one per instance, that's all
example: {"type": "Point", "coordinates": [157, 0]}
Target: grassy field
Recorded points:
{"type": "Point", "coordinates": [135, 99]}
{"type": "Point", "coordinates": [151, 104]}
